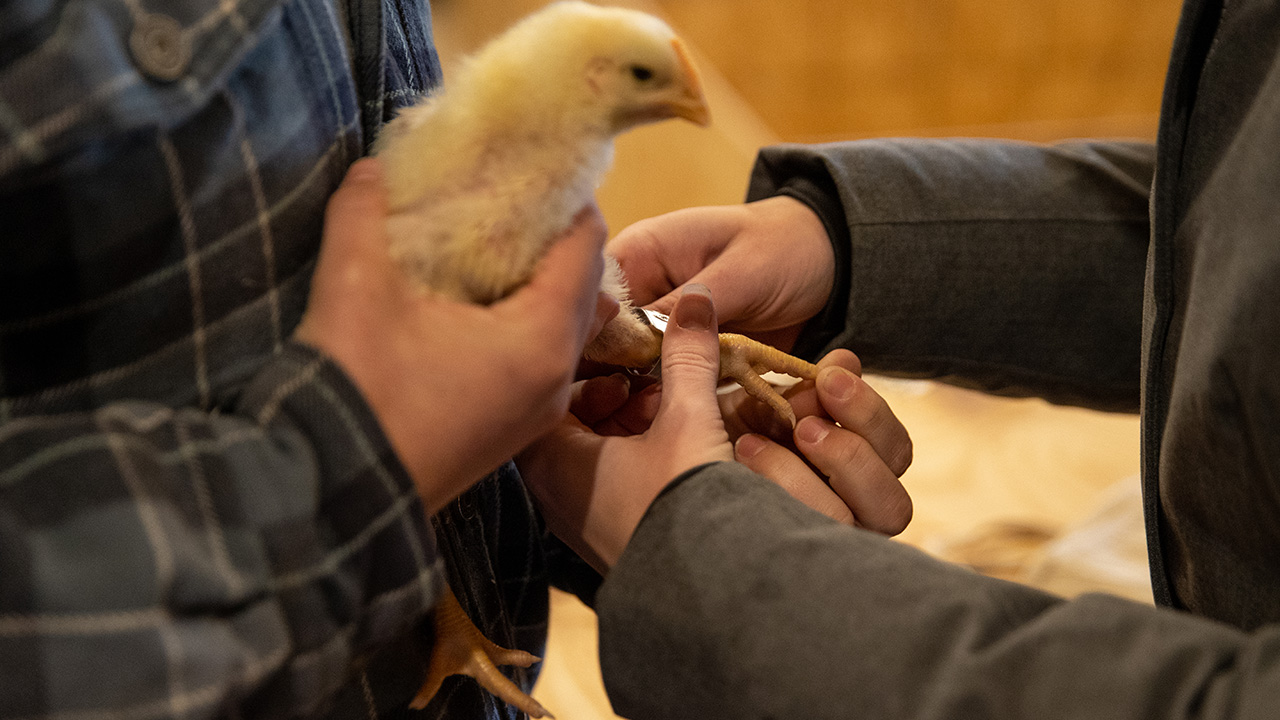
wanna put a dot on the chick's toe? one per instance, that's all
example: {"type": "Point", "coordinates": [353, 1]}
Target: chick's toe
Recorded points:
{"type": "Point", "coordinates": [461, 649]}
{"type": "Point", "coordinates": [744, 359]}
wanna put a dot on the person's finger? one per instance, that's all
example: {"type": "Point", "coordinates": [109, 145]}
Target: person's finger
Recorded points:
{"type": "Point", "coordinates": [744, 413]}
{"type": "Point", "coordinates": [803, 396]}
{"type": "Point", "coordinates": [638, 250]}
{"type": "Point", "coordinates": [636, 415]}
{"type": "Point", "coordinates": [791, 474]}
{"type": "Point", "coordinates": [722, 276]}
{"type": "Point", "coordinates": [595, 399]}
{"type": "Point", "coordinates": [354, 229]}
{"type": "Point", "coordinates": [607, 307]}
{"type": "Point", "coordinates": [726, 280]}
{"type": "Point", "coordinates": [559, 472]}
{"type": "Point", "coordinates": [355, 266]}
{"type": "Point", "coordinates": [855, 405]}
{"type": "Point", "coordinates": [857, 474]}
{"type": "Point", "coordinates": [691, 348]}
{"type": "Point", "coordinates": [842, 357]}
{"type": "Point", "coordinates": [662, 253]}
{"type": "Point", "coordinates": [690, 372]}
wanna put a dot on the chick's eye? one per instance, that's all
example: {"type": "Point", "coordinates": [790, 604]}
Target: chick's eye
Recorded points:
{"type": "Point", "coordinates": [641, 73]}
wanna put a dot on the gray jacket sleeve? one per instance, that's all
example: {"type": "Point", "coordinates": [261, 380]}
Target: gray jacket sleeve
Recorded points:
{"type": "Point", "coordinates": [734, 601]}
{"type": "Point", "coordinates": [1007, 267]}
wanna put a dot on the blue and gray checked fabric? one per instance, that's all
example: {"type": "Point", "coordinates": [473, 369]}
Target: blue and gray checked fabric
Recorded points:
{"type": "Point", "coordinates": [198, 517]}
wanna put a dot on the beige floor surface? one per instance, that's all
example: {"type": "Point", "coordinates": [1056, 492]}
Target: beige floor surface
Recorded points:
{"type": "Point", "coordinates": [1029, 491]}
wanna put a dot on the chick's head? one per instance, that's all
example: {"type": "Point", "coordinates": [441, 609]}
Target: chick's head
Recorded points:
{"type": "Point", "coordinates": [605, 69]}
{"type": "Point", "coordinates": [645, 75]}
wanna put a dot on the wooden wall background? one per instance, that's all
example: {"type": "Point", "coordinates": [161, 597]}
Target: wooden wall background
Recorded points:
{"type": "Point", "coordinates": [1018, 488]}
{"type": "Point", "coordinates": [833, 69]}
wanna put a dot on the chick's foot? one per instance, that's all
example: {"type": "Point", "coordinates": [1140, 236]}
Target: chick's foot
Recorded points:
{"type": "Point", "coordinates": [461, 649]}
{"type": "Point", "coordinates": [743, 359]}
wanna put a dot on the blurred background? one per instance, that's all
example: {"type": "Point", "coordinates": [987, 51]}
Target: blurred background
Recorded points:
{"type": "Point", "coordinates": [1014, 488]}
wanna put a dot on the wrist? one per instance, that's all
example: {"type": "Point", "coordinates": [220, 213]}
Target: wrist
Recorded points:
{"type": "Point", "coordinates": [805, 274]}
{"type": "Point", "coordinates": [824, 315]}
{"type": "Point", "coordinates": [370, 374]}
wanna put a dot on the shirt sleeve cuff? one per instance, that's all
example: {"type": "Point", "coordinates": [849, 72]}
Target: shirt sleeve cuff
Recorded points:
{"type": "Point", "coordinates": [776, 173]}
{"type": "Point", "coordinates": [369, 518]}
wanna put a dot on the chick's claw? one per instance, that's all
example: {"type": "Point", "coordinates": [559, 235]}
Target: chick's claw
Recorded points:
{"type": "Point", "coordinates": [461, 649]}
{"type": "Point", "coordinates": [743, 359]}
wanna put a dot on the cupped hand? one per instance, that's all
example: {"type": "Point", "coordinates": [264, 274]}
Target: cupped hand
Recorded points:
{"type": "Point", "coordinates": [848, 451]}
{"type": "Point", "coordinates": [769, 264]}
{"type": "Point", "coordinates": [459, 388]}
{"type": "Point", "coordinates": [593, 489]}
{"type": "Point", "coordinates": [844, 458]}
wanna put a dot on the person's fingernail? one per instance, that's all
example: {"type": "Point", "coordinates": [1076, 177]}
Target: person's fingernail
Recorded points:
{"type": "Point", "coordinates": [694, 310]}
{"type": "Point", "coordinates": [812, 430]}
{"type": "Point", "coordinates": [837, 382]}
{"type": "Point", "coordinates": [616, 383]}
{"type": "Point", "coordinates": [748, 446]}
{"type": "Point", "coordinates": [365, 170]}
{"type": "Point", "coordinates": [607, 307]}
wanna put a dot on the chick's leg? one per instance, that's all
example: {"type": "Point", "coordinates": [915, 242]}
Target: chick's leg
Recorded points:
{"type": "Point", "coordinates": [743, 359]}
{"type": "Point", "coordinates": [461, 649]}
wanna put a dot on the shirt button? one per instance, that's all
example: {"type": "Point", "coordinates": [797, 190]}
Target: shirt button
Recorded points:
{"type": "Point", "coordinates": [159, 47]}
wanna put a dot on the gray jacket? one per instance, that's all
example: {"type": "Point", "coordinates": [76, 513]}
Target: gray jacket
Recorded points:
{"type": "Point", "coordinates": [1016, 269]}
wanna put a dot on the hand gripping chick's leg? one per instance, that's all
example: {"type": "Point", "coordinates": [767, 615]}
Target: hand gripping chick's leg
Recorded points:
{"type": "Point", "coordinates": [631, 341]}
{"type": "Point", "coordinates": [461, 649]}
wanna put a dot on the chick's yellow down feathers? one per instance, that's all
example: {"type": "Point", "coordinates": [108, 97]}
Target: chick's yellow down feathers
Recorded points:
{"type": "Point", "coordinates": [485, 174]}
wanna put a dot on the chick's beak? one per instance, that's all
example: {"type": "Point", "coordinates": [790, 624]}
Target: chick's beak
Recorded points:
{"type": "Point", "coordinates": [691, 104]}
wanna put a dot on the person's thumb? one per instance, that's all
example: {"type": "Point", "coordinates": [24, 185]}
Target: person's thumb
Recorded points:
{"type": "Point", "coordinates": [691, 346]}
{"type": "Point", "coordinates": [356, 210]}
{"type": "Point", "coordinates": [355, 253]}
{"type": "Point", "coordinates": [690, 372]}
{"type": "Point", "coordinates": [716, 275]}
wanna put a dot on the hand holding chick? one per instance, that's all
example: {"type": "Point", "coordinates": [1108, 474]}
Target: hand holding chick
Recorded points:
{"type": "Point", "coordinates": [410, 353]}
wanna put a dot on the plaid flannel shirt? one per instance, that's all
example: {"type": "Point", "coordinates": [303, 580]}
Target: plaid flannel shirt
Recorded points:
{"type": "Point", "coordinates": [199, 517]}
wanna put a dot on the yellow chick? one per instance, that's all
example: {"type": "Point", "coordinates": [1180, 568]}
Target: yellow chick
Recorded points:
{"type": "Point", "coordinates": [484, 175]}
